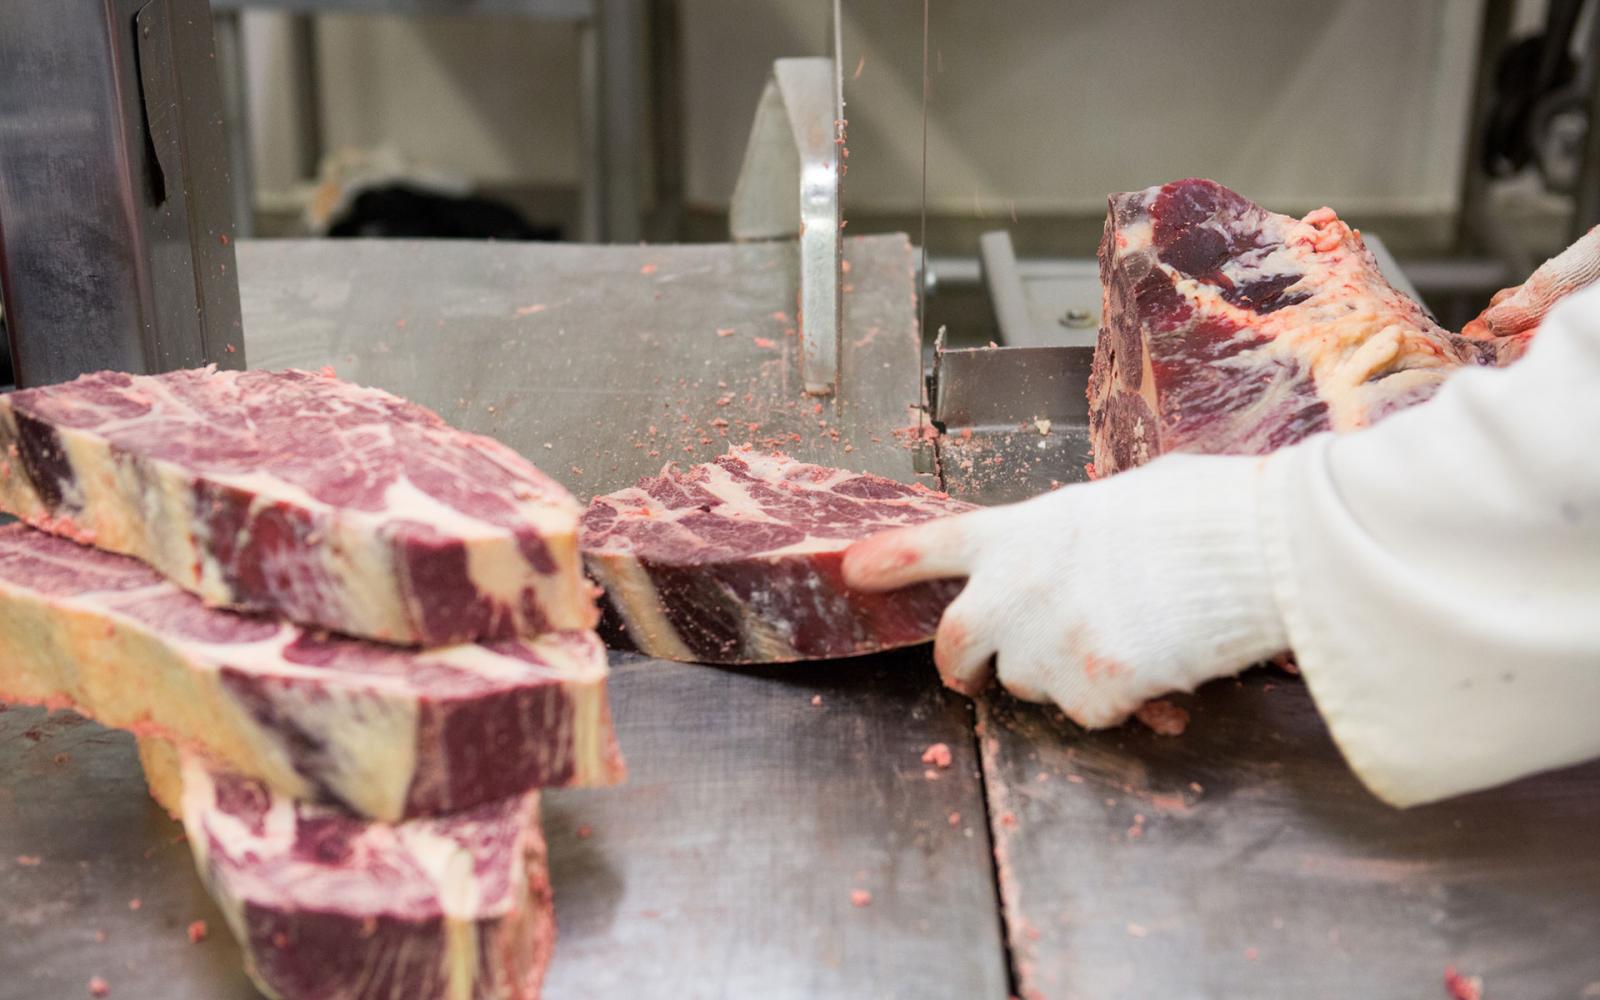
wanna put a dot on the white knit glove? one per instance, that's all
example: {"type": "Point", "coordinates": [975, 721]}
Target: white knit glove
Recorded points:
{"type": "Point", "coordinates": [1101, 596]}
{"type": "Point", "coordinates": [1520, 309]}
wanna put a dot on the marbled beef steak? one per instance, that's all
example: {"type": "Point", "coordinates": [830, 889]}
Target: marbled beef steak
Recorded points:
{"type": "Point", "coordinates": [327, 906]}
{"type": "Point", "coordinates": [738, 561]}
{"type": "Point", "coordinates": [1230, 329]}
{"type": "Point", "coordinates": [384, 730]}
{"type": "Point", "coordinates": [301, 496]}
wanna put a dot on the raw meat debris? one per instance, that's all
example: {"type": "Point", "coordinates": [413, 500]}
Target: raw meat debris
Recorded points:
{"type": "Point", "coordinates": [296, 494]}
{"type": "Point", "coordinates": [738, 561]}
{"type": "Point", "coordinates": [327, 906]}
{"type": "Point", "coordinates": [385, 731]}
{"type": "Point", "coordinates": [1230, 329]}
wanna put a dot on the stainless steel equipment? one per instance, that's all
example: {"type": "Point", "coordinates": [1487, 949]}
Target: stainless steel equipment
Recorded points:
{"type": "Point", "coordinates": [115, 237]}
{"type": "Point", "coordinates": [602, 364]}
{"type": "Point", "coordinates": [796, 145]}
{"type": "Point", "coordinates": [724, 867]}
{"type": "Point", "coordinates": [794, 149]}
{"type": "Point", "coordinates": [760, 799]}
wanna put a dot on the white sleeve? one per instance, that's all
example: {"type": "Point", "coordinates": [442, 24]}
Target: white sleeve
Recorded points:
{"type": "Point", "coordinates": [1439, 573]}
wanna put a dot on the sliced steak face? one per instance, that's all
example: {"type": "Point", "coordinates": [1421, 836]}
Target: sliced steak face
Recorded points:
{"type": "Point", "coordinates": [384, 731]}
{"type": "Point", "coordinates": [325, 904]}
{"type": "Point", "coordinates": [301, 496]}
{"type": "Point", "coordinates": [738, 561]}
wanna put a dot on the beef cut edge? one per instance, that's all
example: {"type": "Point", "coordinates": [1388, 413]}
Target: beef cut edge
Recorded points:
{"type": "Point", "coordinates": [1228, 329]}
{"type": "Point", "coordinates": [325, 904]}
{"type": "Point", "coordinates": [739, 561]}
{"type": "Point", "coordinates": [302, 496]}
{"type": "Point", "coordinates": [384, 731]}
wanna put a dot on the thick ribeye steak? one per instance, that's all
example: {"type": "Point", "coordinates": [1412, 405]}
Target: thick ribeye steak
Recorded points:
{"type": "Point", "coordinates": [738, 561]}
{"type": "Point", "coordinates": [385, 730]}
{"type": "Point", "coordinates": [1230, 329]}
{"type": "Point", "coordinates": [302, 496]}
{"type": "Point", "coordinates": [327, 906]}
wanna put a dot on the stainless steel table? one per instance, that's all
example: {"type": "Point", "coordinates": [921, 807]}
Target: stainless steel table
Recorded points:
{"type": "Point", "coordinates": [724, 868]}
{"type": "Point", "coordinates": [601, 363]}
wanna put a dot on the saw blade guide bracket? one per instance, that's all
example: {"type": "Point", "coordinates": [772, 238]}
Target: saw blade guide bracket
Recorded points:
{"type": "Point", "coordinates": [795, 147]}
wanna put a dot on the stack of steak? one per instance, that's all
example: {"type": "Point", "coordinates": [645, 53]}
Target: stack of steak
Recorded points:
{"type": "Point", "coordinates": [353, 642]}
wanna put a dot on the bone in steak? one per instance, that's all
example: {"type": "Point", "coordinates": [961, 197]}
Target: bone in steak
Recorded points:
{"type": "Point", "coordinates": [1230, 329]}
{"type": "Point", "coordinates": [385, 730]}
{"type": "Point", "coordinates": [299, 495]}
{"type": "Point", "coordinates": [738, 561]}
{"type": "Point", "coordinates": [327, 906]}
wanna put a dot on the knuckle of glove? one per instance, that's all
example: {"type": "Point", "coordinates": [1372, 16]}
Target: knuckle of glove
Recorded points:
{"type": "Point", "coordinates": [1099, 704]}
{"type": "Point", "coordinates": [1026, 679]}
{"type": "Point", "coordinates": [1091, 705]}
{"type": "Point", "coordinates": [1102, 715]}
{"type": "Point", "coordinates": [1095, 686]}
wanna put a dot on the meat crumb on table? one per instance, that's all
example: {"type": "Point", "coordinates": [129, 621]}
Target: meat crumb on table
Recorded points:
{"type": "Point", "coordinates": [1163, 717]}
{"type": "Point", "coordinates": [1462, 987]}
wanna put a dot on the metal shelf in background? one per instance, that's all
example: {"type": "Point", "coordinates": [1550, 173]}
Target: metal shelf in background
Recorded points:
{"type": "Point", "coordinates": [612, 86]}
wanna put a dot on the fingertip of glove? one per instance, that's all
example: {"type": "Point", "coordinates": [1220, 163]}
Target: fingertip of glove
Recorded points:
{"type": "Point", "coordinates": [969, 687]}
{"type": "Point", "coordinates": [874, 563]}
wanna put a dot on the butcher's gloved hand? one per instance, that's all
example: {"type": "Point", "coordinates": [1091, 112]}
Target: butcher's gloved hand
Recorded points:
{"type": "Point", "coordinates": [1101, 596]}
{"type": "Point", "coordinates": [1520, 309]}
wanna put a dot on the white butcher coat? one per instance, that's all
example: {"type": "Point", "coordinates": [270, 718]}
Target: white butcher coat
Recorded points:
{"type": "Point", "coordinates": [1439, 572]}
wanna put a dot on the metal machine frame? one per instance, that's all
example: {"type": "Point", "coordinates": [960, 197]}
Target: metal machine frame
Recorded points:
{"type": "Point", "coordinates": [116, 247]}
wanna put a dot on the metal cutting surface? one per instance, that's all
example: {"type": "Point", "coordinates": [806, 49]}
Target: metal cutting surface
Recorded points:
{"type": "Point", "coordinates": [761, 799]}
{"type": "Point", "coordinates": [601, 364]}
{"type": "Point", "coordinates": [758, 801]}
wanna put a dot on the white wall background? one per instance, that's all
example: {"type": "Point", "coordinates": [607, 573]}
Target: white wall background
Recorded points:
{"type": "Point", "coordinates": [493, 98]}
{"type": "Point", "coordinates": [1041, 104]}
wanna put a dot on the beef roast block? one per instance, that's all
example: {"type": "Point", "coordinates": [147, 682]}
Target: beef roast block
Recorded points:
{"type": "Point", "coordinates": [327, 906]}
{"type": "Point", "coordinates": [301, 496]}
{"type": "Point", "coordinates": [387, 731]}
{"type": "Point", "coordinates": [738, 561]}
{"type": "Point", "coordinates": [1230, 329]}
